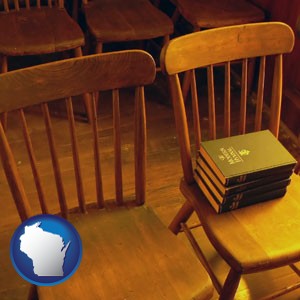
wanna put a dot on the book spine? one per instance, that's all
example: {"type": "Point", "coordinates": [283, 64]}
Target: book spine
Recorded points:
{"type": "Point", "coordinates": [255, 175]}
{"type": "Point", "coordinates": [246, 195]}
{"type": "Point", "coordinates": [203, 168]}
{"type": "Point", "coordinates": [211, 199]}
{"type": "Point", "coordinates": [205, 172]}
{"type": "Point", "coordinates": [257, 183]}
{"type": "Point", "coordinates": [211, 163]}
{"type": "Point", "coordinates": [229, 206]}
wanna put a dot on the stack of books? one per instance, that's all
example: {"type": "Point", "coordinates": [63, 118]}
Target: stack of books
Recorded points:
{"type": "Point", "coordinates": [243, 170]}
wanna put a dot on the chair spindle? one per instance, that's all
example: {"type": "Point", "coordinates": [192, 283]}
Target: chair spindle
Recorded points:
{"type": "Point", "coordinates": [33, 163]}
{"type": "Point", "coordinates": [55, 162]}
{"type": "Point", "coordinates": [13, 177]}
{"type": "Point", "coordinates": [243, 108]}
{"type": "Point", "coordinates": [183, 136]}
{"type": "Point", "coordinates": [227, 109]}
{"type": "Point", "coordinates": [276, 96]}
{"type": "Point", "coordinates": [16, 4]}
{"type": "Point", "coordinates": [260, 94]}
{"type": "Point", "coordinates": [117, 147]}
{"type": "Point", "coordinates": [27, 4]}
{"type": "Point", "coordinates": [75, 154]}
{"type": "Point", "coordinates": [6, 5]}
{"type": "Point", "coordinates": [211, 103]}
{"type": "Point", "coordinates": [98, 176]}
{"type": "Point", "coordinates": [196, 117]}
{"type": "Point", "coordinates": [140, 146]}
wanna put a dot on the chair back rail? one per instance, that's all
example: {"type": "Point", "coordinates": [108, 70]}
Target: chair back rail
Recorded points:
{"type": "Point", "coordinates": [39, 85]}
{"type": "Point", "coordinates": [222, 47]}
{"type": "Point", "coordinates": [17, 4]}
{"type": "Point", "coordinates": [227, 44]}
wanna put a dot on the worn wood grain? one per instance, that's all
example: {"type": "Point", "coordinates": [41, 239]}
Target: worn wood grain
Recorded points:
{"type": "Point", "coordinates": [131, 259]}
{"type": "Point", "coordinates": [53, 30]}
{"type": "Point", "coordinates": [227, 44]}
{"type": "Point", "coordinates": [88, 73]}
{"type": "Point", "coordinates": [118, 21]}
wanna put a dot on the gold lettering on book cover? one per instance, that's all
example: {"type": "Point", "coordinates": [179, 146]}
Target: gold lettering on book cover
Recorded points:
{"type": "Point", "coordinates": [244, 152]}
{"type": "Point", "coordinates": [232, 156]}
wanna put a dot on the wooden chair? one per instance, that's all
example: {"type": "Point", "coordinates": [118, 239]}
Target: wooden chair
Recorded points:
{"type": "Point", "coordinates": [123, 21]}
{"type": "Point", "coordinates": [127, 252]}
{"type": "Point", "coordinates": [259, 237]}
{"type": "Point", "coordinates": [37, 29]}
{"type": "Point", "coordinates": [203, 14]}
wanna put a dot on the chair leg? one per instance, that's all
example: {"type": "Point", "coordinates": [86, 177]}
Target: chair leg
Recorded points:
{"type": "Point", "coordinates": [33, 294]}
{"type": "Point", "coordinates": [86, 96]}
{"type": "Point", "coordinates": [230, 286]}
{"type": "Point", "coordinates": [181, 217]}
{"type": "Point", "coordinates": [4, 69]}
{"type": "Point", "coordinates": [99, 49]}
{"type": "Point", "coordinates": [75, 10]}
{"type": "Point", "coordinates": [166, 39]}
{"type": "Point", "coordinates": [175, 16]}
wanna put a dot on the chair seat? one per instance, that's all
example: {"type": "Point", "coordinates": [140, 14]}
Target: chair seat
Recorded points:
{"type": "Point", "coordinates": [38, 31]}
{"type": "Point", "coordinates": [216, 13]}
{"type": "Point", "coordinates": [257, 237]}
{"type": "Point", "coordinates": [137, 258]}
{"type": "Point", "coordinates": [119, 20]}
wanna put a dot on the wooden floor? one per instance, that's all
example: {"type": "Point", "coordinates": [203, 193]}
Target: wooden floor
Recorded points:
{"type": "Point", "coordinates": [163, 174]}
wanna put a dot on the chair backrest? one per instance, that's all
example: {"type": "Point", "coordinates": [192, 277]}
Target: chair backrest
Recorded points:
{"type": "Point", "coordinates": [16, 5]}
{"type": "Point", "coordinates": [223, 46]}
{"type": "Point", "coordinates": [64, 79]}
